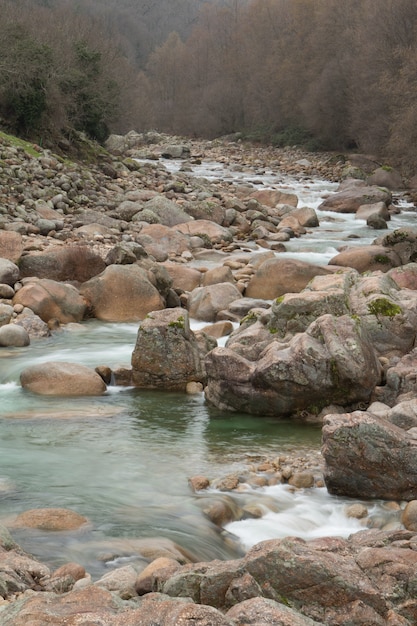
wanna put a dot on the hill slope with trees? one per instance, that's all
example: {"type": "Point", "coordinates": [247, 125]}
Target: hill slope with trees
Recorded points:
{"type": "Point", "coordinates": [327, 74]}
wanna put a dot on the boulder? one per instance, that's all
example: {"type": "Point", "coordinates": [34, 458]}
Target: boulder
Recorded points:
{"type": "Point", "coordinates": [210, 209]}
{"type": "Point", "coordinates": [175, 151]}
{"type": "Point", "coordinates": [274, 197]}
{"type": "Point", "coordinates": [121, 293]}
{"type": "Point", "coordinates": [62, 379]}
{"type": "Point", "coordinates": [333, 362]}
{"type": "Point", "coordinates": [293, 312]}
{"type": "Point", "coordinates": [267, 611]}
{"type": "Point", "coordinates": [33, 324]}
{"type": "Point", "coordinates": [367, 258]}
{"type": "Point", "coordinates": [9, 272]}
{"type": "Point", "coordinates": [166, 354]}
{"type": "Point", "coordinates": [275, 277]}
{"type": "Point", "coordinates": [14, 335]}
{"type": "Point", "coordinates": [366, 210]}
{"type": "Point", "coordinates": [205, 303]}
{"type": "Point", "coordinates": [401, 383]}
{"type": "Point", "coordinates": [386, 177]}
{"type": "Point", "coordinates": [367, 457]}
{"type": "Point", "coordinates": [50, 299]}
{"type": "Point", "coordinates": [89, 216]}
{"type": "Point", "coordinates": [221, 274]}
{"type": "Point", "coordinates": [50, 519]}
{"type": "Point", "coordinates": [11, 245]}
{"type": "Point", "coordinates": [167, 211]}
{"type": "Point", "coordinates": [353, 195]}
{"type": "Point", "coordinates": [6, 313]}
{"type": "Point", "coordinates": [67, 263]}
{"type": "Point", "coordinates": [184, 278]}
{"type": "Point", "coordinates": [170, 240]}
{"type": "Point", "coordinates": [206, 229]}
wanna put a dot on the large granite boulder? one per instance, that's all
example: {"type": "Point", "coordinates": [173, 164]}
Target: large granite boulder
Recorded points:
{"type": "Point", "coordinates": [68, 263]}
{"type": "Point", "coordinates": [367, 258]}
{"type": "Point", "coordinates": [275, 277]}
{"type": "Point", "coordinates": [204, 229]}
{"type": "Point", "coordinates": [9, 272]}
{"type": "Point", "coordinates": [14, 335]}
{"type": "Point", "coordinates": [184, 278]}
{"type": "Point", "coordinates": [11, 245]}
{"type": "Point", "coordinates": [122, 293]}
{"type": "Point", "coordinates": [167, 211]}
{"type": "Point", "coordinates": [367, 456]}
{"type": "Point", "coordinates": [157, 237]}
{"type": "Point", "coordinates": [50, 299]}
{"type": "Point", "coordinates": [167, 354]}
{"type": "Point", "coordinates": [50, 519]}
{"type": "Point", "coordinates": [205, 303]}
{"type": "Point", "coordinates": [56, 378]}
{"type": "Point", "coordinates": [352, 194]}
{"type": "Point", "coordinates": [332, 362]}
{"type": "Point", "coordinates": [274, 197]}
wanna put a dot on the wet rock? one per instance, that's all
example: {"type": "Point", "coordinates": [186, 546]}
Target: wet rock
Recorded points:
{"type": "Point", "coordinates": [62, 379]}
{"type": "Point", "coordinates": [161, 567]}
{"type": "Point", "coordinates": [205, 228]}
{"type": "Point", "coordinates": [353, 195]}
{"type": "Point", "coordinates": [168, 212]}
{"type": "Point", "coordinates": [332, 362]}
{"type": "Point", "coordinates": [166, 354]}
{"type": "Point", "coordinates": [359, 448]}
{"type": "Point", "coordinates": [273, 197]}
{"type": "Point", "coordinates": [409, 516]}
{"type": "Point", "coordinates": [386, 177]}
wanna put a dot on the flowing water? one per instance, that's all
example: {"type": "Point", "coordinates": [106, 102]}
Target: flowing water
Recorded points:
{"type": "Point", "coordinates": [124, 459]}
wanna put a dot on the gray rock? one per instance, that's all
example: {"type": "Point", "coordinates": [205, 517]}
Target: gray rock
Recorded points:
{"type": "Point", "coordinates": [14, 335]}
{"type": "Point", "coordinates": [166, 354]}
{"type": "Point", "coordinates": [9, 272]}
{"type": "Point", "coordinates": [366, 456]}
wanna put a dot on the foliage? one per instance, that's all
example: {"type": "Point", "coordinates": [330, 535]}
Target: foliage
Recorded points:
{"type": "Point", "coordinates": [59, 72]}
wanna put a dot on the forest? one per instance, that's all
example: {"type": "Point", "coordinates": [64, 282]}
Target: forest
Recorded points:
{"type": "Point", "coordinates": [325, 74]}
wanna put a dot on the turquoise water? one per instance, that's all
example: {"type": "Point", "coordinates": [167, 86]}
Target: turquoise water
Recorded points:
{"type": "Point", "coordinates": [123, 459]}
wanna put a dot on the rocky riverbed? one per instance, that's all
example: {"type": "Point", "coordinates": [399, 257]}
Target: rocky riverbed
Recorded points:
{"type": "Point", "coordinates": [331, 344]}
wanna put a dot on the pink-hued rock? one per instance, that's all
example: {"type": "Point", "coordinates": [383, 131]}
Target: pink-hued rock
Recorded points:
{"type": "Point", "coordinates": [62, 379]}
{"type": "Point", "coordinates": [50, 299]}
{"type": "Point", "coordinates": [276, 277]}
{"type": "Point", "coordinates": [121, 293]}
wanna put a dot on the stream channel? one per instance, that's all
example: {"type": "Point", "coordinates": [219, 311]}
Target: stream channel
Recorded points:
{"type": "Point", "coordinates": [124, 459]}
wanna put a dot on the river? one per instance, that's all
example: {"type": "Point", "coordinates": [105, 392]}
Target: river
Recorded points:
{"type": "Point", "coordinates": [124, 459]}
